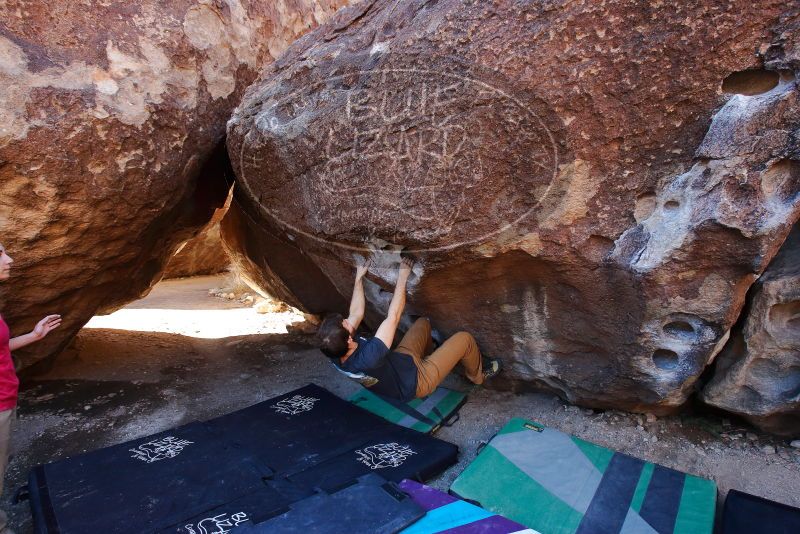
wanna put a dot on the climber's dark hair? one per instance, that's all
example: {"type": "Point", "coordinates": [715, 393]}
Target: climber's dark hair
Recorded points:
{"type": "Point", "coordinates": [332, 336]}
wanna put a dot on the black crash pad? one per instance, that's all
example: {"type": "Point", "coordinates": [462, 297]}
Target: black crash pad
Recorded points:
{"type": "Point", "coordinates": [262, 503]}
{"type": "Point", "coordinates": [313, 438]}
{"type": "Point", "coordinates": [142, 485]}
{"type": "Point", "coordinates": [748, 514]}
{"type": "Point", "coordinates": [369, 504]}
{"type": "Point", "coordinates": [256, 461]}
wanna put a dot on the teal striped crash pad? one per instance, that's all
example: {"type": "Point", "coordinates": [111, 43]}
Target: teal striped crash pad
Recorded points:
{"type": "Point", "coordinates": [559, 484]}
{"type": "Point", "coordinates": [424, 415]}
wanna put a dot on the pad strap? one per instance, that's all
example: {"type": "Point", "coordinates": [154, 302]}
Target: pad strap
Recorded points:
{"type": "Point", "coordinates": [408, 410]}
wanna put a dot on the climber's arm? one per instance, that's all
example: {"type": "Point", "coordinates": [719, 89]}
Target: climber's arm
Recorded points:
{"type": "Point", "coordinates": [357, 303]}
{"type": "Point", "coordinates": [389, 326]}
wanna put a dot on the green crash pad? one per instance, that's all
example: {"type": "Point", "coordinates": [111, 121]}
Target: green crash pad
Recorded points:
{"type": "Point", "coordinates": [555, 483]}
{"type": "Point", "coordinates": [424, 415]}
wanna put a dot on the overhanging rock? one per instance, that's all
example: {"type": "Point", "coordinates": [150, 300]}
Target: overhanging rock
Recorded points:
{"type": "Point", "coordinates": [109, 118]}
{"type": "Point", "coordinates": [589, 189]}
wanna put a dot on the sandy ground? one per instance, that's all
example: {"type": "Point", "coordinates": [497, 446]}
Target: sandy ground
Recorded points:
{"type": "Point", "coordinates": [117, 385]}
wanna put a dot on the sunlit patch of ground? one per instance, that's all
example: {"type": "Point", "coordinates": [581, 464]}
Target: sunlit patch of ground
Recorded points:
{"type": "Point", "coordinates": [185, 307]}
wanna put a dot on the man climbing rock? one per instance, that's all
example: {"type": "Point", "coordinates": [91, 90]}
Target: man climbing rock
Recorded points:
{"type": "Point", "coordinates": [411, 369]}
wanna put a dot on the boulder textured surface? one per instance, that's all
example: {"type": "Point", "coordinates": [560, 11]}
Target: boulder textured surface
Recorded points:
{"type": "Point", "coordinates": [589, 188]}
{"type": "Point", "coordinates": [109, 116]}
{"type": "Point", "coordinates": [203, 254]}
{"type": "Point", "coordinates": [758, 373]}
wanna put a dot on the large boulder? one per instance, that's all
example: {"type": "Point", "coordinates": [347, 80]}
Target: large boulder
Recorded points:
{"type": "Point", "coordinates": [590, 188]}
{"type": "Point", "coordinates": [109, 116]}
{"type": "Point", "coordinates": [757, 375]}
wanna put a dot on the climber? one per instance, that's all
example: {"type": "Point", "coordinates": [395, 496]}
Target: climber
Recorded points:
{"type": "Point", "coordinates": [411, 369]}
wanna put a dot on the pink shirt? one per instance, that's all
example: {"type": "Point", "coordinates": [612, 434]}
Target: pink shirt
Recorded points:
{"type": "Point", "coordinates": [9, 383]}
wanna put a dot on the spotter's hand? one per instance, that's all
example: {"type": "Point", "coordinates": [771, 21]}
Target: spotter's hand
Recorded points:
{"type": "Point", "coordinates": [43, 327]}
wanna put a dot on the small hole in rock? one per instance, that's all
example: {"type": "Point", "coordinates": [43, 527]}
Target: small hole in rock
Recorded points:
{"type": "Point", "coordinates": [671, 205]}
{"type": "Point", "coordinates": [644, 207]}
{"type": "Point", "coordinates": [786, 314]}
{"type": "Point", "coordinates": [750, 82]}
{"type": "Point", "coordinates": [665, 359]}
{"type": "Point", "coordinates": [679, 328]}
{"type": "Point", "coordinates": [778, 181]}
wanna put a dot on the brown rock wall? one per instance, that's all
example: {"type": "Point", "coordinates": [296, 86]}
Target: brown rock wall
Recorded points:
{"type": "Point", "coordinates": [757, 375]}
{"type": "Point", "coordinates": [204, 253]}
{"type": "Point", "coordinates": [579, 190]}
{"type": "Point", "coordinates": [110, 114]}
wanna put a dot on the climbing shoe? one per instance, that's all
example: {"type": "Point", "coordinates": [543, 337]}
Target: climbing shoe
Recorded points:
{"type": "Point", "coordinates": [491, 368]}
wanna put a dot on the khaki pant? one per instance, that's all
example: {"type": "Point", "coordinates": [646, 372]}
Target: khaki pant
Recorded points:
{"type": "Point", "coordinates": [6, 417]}
{"type": "Point", "coordinates": [461, 347]}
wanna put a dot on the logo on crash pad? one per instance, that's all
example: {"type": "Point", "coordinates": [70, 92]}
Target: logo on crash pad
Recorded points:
{"type": "Point", "coordinates": [217, 524]}
{"type": "Point", "coordinates": [294, 405]}
{"type": "Point", "coordinates": [384, 455]}
{"type": "Point", "coordinates": [159, 449]}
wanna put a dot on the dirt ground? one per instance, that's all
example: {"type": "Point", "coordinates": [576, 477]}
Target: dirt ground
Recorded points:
{"type": "Point", "coordinates": [116, 385]}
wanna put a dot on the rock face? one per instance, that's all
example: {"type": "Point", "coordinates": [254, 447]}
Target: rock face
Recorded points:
{"type": "Point", "coordinates": [758, 373]}
{"type": "Point", "coordinates": [590, 189]}
{"type": "Point", "coordinates": [109, 116]}
{"type": "Point", "coordinates": [203, 254]}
